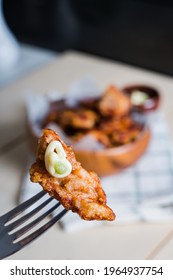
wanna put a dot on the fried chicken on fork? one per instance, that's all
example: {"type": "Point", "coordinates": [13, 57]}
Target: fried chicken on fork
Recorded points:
{"type": "Point", "coordinates": [79, 191]}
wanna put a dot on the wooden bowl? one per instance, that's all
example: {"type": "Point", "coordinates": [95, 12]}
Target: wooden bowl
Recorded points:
{"type": "Point", "coordinates": [152, 101]}
{"type": "Point", "coordinates": [114, 160]}
{"type": "Point", "coordinates": [107, 161]}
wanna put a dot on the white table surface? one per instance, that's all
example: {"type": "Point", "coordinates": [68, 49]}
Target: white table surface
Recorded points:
{"type": "Point", "coordinates": [130, 241]}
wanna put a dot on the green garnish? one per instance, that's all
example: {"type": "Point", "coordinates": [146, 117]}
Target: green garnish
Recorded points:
{"type": "Point", "coordinates": [56, 161]}
{"type": "Point", "coordinates": [60, 168]}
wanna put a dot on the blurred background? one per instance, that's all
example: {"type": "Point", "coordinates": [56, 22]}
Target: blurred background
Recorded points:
{"type": "Point", "coordinates": [138, 32]}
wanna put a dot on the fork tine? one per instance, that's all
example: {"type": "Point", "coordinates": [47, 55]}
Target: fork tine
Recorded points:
{"type": "Point", "coordinates": [14, 212]}
{"type": "Point", "coordinates": [12, 241]}
{"type": "Point", "coordinates": [29, 226]}
{"type": "Point", "coordinates": [8, 248]}
{"type": "Point", "coordinates": [42, 229]}
{"type": "Point", "coordinates": [27, 216]}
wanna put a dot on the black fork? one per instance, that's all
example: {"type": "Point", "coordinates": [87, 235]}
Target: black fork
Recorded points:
{"type": "Point", "coordinates": [11, 239]}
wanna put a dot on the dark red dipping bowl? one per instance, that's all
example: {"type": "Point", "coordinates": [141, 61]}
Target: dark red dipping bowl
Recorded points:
{"type": "Point", "coordinates": [151, 103]}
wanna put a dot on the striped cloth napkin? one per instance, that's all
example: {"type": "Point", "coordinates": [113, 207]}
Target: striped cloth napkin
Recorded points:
{"type": "Point", "coordinates": [143, 192]}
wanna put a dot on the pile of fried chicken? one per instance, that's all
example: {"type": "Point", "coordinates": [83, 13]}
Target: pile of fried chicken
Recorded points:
{"type": "Point", "coordinates": [107, 118]}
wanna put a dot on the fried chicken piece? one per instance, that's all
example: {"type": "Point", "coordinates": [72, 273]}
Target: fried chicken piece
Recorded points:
{"type": "Point", "coordinates": [114, 103]}
{"type": "Point", "coordinates": [123, 137]}
{"type": "Point", "coordinates": [116, 124]}
{"type": "Point", "coordinates": [80, 191]}
{"type": "Point", "coordinates": [79, 119]}
{"type": "Point", "coordinates": [101, 137]}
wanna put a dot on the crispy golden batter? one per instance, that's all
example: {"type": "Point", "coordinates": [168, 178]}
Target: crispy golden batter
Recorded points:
{"type": "Point", "coordinates": [120, 131]}
{"type": "Point", "coordinates": [114, 103]}
{"type": "Point", "coordinates": [78, 119]}
{"type": "Point", "coordinates": [80, 191]}
{"type": "Point", "coordinates": [124, 137]}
